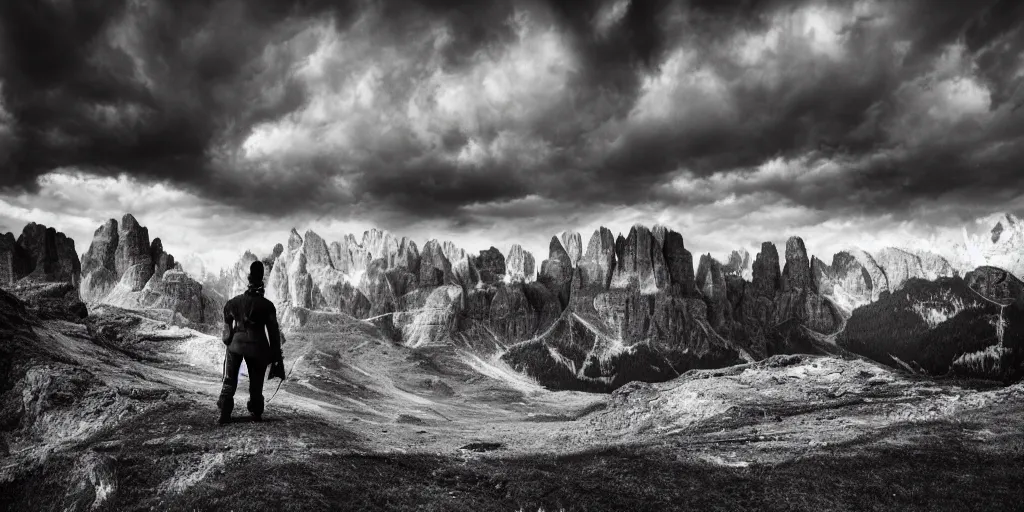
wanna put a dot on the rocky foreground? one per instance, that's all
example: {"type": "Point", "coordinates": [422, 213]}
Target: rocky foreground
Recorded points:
{"type": "Point", "coordinates": [115, 412]}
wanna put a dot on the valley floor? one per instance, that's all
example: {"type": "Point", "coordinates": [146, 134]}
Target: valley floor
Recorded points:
{"type": "Point", "coordinates": [128, 423]}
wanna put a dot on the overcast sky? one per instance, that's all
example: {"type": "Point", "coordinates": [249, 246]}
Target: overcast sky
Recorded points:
{"type": "Point", "coordinates": [222, 124]}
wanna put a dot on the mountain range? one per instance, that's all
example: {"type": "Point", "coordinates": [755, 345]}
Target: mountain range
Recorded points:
{"type": "Point", "coordinates": [589, 316]}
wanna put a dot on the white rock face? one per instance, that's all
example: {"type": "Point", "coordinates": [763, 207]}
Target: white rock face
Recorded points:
{"type": "Point", "coordinates": [996, 241]}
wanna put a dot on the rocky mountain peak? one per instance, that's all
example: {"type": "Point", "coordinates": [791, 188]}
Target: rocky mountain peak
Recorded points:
{"type": "Point", "coordinates": [797, 272]}
{"type": "Point", "coordinates": [572, 242]}
{"type": "Point", "coordinates": [294, 241]}
{"type": "Point", "coordinates": [520, 265]}
{"type": "Point", "coordinates": [766, 274]}
{"type": "Point", "coordinates": [315, 249]}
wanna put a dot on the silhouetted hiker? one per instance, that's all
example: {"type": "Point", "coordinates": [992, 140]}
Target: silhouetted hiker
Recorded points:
{"type": "Point", "coordinates": [251, 334]}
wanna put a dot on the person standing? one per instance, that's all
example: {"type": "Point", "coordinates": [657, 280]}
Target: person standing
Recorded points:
{"type": "Point", "coordinates": [251, 334]}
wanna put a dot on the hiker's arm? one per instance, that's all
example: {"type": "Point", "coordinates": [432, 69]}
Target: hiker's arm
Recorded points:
{"type": "Point", "coordinates": [274, 335]}
{"type": "Point", "coordinates": [228, 325]}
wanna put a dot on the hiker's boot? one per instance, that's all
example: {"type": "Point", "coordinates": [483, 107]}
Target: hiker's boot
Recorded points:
{"type": "Point", "coordinates": [256, 408]}
{"type": "Point", "coordinates": [225, 407]}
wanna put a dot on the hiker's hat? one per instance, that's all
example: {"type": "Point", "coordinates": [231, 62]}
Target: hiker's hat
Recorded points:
{"type": "Point", "coordinates": [256, 272]}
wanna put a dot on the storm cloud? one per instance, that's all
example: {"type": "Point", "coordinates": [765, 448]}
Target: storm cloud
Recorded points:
{"type": "Point", "coordinates": [473, 113]}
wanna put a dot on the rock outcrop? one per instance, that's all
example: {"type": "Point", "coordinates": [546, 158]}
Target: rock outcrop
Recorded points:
{"type": "Point", "coordinates": [520, 265]}
{"type": "Point", "coordinates": [42, 268]}
{"type": "Point", "coordinates": [573, 244]}
{"type": "Point", "coordinates": [767, 277]}
{"type": "Point", "coordinates": [556, 272]}
{"type": "Point", "coordinates": [491, 265]}
{"type": "Point", "coordinates": [132, 261]}
{"type": "Point", "coordinates": [738, 264]}
{"type": "Point", "coordinates": [796, 275]}
{"type": "Point", "coordinates": [40, 254]}
{"type": "Point", "coordinates": [679, 263]}
{"type": "Point", "coordinates": [315, 249]}
{"type": "Point", "coordinates": [996, 241]}
{"type": "Point", "coordinates": [626, 317]}
{"type": "Point", "coordinates": [50, 255]}
{"type": "Point", "coordinates": [640, 262]}
{"type": "Point", "coordinates": [995, 285]}
{"type": "Point", "coordinates": [900, 265]}
{"type": "Point", "coordinates": [598, 264]}
{"type": "Point", "coordinates": [435, 267]}
{"type": "Point", "coordinates": [847, 282]}
{"type": "Point", "coordinates": [712, 285]}
{"type": "Point", "coordinates": [123, 268]}
{"type": "Point", "coordinates": [451, 251]}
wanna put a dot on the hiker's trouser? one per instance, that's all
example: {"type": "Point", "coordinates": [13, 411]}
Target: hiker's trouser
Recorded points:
{"type": "Point", "coordinates": [257, 368]}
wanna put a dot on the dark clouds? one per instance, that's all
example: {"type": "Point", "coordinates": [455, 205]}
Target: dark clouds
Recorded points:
{"type": "Point", "coordinates": [440, 108]}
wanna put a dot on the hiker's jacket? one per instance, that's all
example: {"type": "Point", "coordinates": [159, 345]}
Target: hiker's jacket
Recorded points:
{"type": "Point", "coordinates": [250, 327]}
